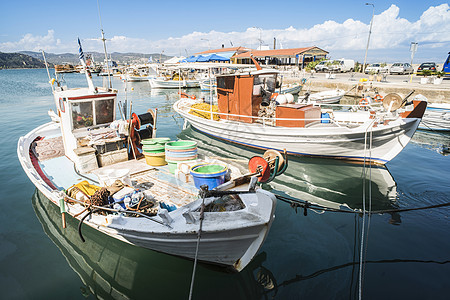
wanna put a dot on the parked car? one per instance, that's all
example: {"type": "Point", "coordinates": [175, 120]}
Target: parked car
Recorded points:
{"type": "Point", "coordinates": [401, 68]}
{"type": "Point", "coordinates": [376, 68]}
{"type": "Point", "coordinates": [322, 66]}
{"type": "Point", "coordinates": [427, 66]}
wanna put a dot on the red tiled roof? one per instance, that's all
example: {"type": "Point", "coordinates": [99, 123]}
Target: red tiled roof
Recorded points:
{"type": "Point", "coordinates": [276, 52]}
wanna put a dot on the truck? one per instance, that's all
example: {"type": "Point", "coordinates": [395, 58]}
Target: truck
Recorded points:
{"type": "Point", "coordinates": [343, 65]}
{"type": "Point", "coordinates": [338, 65]}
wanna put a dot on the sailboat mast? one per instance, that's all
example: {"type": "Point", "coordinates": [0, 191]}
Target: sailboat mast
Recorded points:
{"type": "Point", "coordinates": [104, 46]}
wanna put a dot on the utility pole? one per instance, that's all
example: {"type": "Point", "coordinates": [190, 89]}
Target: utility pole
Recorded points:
{"type": "Point", "coordinates": [368, 39]}
{"type": "Point", "coordinates": [413, 49]}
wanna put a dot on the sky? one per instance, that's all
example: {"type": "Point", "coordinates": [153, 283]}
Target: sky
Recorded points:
{"type": "Point", "coordinates": [182, 28]}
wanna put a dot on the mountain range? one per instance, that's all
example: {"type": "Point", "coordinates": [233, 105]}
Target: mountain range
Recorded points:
{"type": "Point", "coordinates": [121, 58]}
{"type": "Point", "coordinates": [30, 59]}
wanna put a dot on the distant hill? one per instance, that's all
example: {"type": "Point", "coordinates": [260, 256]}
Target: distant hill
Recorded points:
{"type": "Point", "coordinates": [122, 58]}
{"type": "Point", "coordinates": [19, 61]}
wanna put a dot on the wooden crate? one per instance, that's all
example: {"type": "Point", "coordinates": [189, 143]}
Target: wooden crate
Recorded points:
{"type": "Point", "coordinates": [306, 113]}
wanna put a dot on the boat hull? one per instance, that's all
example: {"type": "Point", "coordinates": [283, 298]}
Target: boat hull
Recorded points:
{"type": "Point", "coordinates": [173, 84]}
{"type": "Point", "coordinates": [335, 142]}
{"type": "Point", "coordinates": [230, 238]}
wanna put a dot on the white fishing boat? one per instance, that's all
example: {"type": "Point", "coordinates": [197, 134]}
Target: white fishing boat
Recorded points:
{"type": "Point", "coordinates": [176, 77]}
{"type": "Point", "coordinates": [325, 97]}
{"type": "Point", "coordinates": [436, 117]}
{"type": "Point", "coordinates": [208, 84]}
{"type": "Point", "coordinates": [167, 83]}
{"type": "Point", "coordinates": [136, 74]}
{"type": "Point", "coordinates": [76, 160]}
{"type": "Point", "coordinates": [291, 88]}
{"type": "Point", "coordinates": [248, 114]}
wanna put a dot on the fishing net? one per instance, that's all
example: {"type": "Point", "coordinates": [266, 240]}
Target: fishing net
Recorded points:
{"type": "Point", "coordinates": [203, 110]}
{"type": "Point", "coordinates": [225, 203]}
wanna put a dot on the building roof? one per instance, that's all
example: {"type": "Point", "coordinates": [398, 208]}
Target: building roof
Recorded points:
{"type": "Point", "coordinates": [233, 49]}
{"type": "Point", "coordinates": [277, 52]}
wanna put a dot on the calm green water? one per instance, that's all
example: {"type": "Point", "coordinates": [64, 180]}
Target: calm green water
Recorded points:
{"type": "Point", "coordinates": [304, 257]}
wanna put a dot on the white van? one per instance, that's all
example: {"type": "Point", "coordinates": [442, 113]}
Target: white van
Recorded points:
{"type": "Point", "coordinates": [343, 65]}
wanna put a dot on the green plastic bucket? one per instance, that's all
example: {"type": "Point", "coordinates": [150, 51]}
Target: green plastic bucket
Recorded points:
{"type": "Point", "coordinates": [153, 141]}
{"type": "Point", "coordinates": [161, 140]}
{"type": "Point", "coordinates": [181, 145]}
{"type": "Point", "coordinates": [155, 148]}
{"type": "Point", "coordinates": [174, 164]}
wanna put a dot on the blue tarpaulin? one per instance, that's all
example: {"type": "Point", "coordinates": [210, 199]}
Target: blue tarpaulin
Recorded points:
{"type": "Point", "coordinates": [201, 58]}
{"type": "Point", "coordinates": [215, 57]}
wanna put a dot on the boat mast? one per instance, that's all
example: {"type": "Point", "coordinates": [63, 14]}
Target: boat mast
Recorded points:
{"type": "Point", "coordinates": [50, 80]}
{"type": "Point", "coordinates": [104, 46]}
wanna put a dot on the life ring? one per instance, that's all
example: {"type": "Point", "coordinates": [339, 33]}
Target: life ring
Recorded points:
{"type": "Point", "coordinates": [378, 98]}
{"type": "Point", "coordinates": [363, 102]}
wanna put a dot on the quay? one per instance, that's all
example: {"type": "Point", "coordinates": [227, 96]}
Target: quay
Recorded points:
{"type": "Point", "coordinates": [400, 84]}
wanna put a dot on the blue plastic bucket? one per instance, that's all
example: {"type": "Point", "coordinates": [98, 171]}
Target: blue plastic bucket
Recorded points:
{"type": "Point", "coordinates": [212, 175]}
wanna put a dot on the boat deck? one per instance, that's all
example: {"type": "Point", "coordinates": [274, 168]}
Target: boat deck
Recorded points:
{"type": "Point", "coordinates": [162, 185]}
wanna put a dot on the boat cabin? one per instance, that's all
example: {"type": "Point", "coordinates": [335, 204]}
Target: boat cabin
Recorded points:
{"type": "Point", "coordinates": [251, 97]}
{"type": "Point", "coordinates": [240, 95]}
{"type": "Point", "coordinates": [85, 118]}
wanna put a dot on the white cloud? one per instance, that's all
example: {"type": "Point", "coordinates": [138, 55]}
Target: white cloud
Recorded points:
{"type": "Point", "coordinates": [33, 43]}
{"type": "Point", "coordinates": [389, 32]}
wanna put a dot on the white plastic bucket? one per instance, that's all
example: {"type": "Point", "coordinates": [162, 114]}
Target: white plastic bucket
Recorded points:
{"type": "Point", "coordinates": [109, 176]}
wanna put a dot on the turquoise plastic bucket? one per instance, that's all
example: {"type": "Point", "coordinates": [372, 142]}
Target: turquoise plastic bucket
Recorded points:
{"type": "Point", "coordinates": [212, 175]}
{"type": "Point", "coordinates": [155, 148]}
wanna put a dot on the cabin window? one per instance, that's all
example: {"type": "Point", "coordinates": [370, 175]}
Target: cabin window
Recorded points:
{"type": "Point", "coordinates": [226, 82]}
{"type": "Point", "coordinates": [104, 111]}
{"type": "Point", "coordinates": [82, 115]}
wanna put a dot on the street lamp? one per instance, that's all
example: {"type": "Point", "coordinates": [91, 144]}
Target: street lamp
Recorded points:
{"type": "Point", "coordinates": [368, 39]}
{"type": "Point", "coordinates": [209, 44]}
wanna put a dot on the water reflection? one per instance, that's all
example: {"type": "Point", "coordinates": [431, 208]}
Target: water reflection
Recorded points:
{"type": "Point", "coordinates": [433, 140]}
{"type": "Point", "coordinates": [323, 181]}
{"type": "Point", "coordinates": [110, 268]}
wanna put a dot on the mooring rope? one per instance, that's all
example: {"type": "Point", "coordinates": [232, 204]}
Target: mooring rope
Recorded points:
{"type": "Point", "coordinates": [298, 203]}
{"type": "Point", "coordinates": [202, 216]}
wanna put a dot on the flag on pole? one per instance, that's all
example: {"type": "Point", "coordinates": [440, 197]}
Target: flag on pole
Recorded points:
{"type": "Point", "coordinates": [80, 51]}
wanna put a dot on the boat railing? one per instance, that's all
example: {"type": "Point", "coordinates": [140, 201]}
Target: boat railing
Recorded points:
{"type": "Point", "coordinates": [376, 109]}
{"type": "Point", "coordinates": [268, 121]}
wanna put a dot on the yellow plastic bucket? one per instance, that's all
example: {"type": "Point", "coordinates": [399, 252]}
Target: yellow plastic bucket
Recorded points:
{"type": "Point", "coordinates": [155, 159]}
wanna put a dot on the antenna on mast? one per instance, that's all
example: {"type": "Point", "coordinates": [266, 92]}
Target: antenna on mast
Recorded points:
{"type": "Point", "coordinates": [104, 45]}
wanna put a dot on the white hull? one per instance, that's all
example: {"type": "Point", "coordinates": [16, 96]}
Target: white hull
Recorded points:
{"type": "Point", "coordinates": [230, 238]}
{"type": "Point", "coordinates": [133, 78]}
{"type": "Point", "coordinates": [322, 140]}
{"type": "Point", "coordinates": [173, 84]}
{"type": "Point", "coordinates": [325, 97]}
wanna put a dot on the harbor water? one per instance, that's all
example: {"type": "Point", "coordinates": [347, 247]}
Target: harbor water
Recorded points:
{"type": "Point", "coordinates": [313, 255]}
